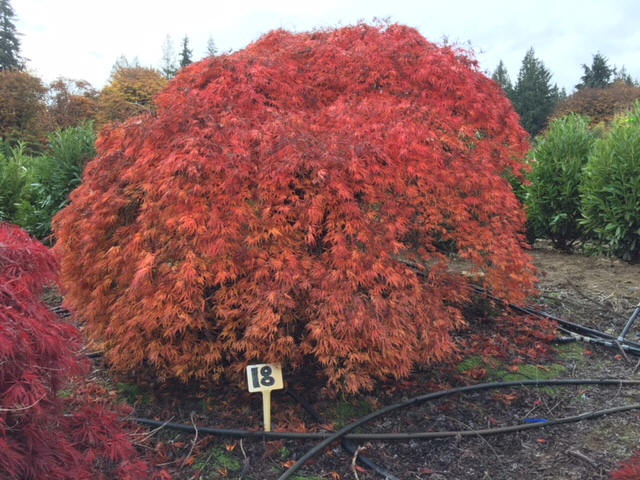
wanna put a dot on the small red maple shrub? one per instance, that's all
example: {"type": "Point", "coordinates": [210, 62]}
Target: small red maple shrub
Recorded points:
{"type": "Point", "coordinates": [42, 435]}
{"type": "Point", "coordinates": [261, 214]}
{"type": "Point", "coordinates": [628, 470]}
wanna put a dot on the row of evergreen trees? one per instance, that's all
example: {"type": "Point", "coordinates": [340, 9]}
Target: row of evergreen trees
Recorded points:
{"type": "Point", "coordinates": [11, 58]}
{"type": "Point", "coordinates": [535, 98]}
{"type": "Point", "coordinates": [533, 95]}
{"type": "Point", "coordinates": [171, 64]}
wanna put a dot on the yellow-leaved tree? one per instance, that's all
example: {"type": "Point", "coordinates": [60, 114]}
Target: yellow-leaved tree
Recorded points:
{"type": "Point", "coordinates": [130, 92]}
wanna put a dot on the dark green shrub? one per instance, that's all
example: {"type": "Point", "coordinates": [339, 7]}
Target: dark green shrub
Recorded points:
{"type": "Point", "coordinates": [13, 177]}
{"type": "Point", "coordinates": [557, 161]}
{"type": "Point", "coordinates": [53, 176]}
{"type": "Point", "coordinates": [611, 188]}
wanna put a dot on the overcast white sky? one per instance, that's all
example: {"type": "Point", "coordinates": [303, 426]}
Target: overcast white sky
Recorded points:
{"type": "Point", "coordinates": [81, 39]}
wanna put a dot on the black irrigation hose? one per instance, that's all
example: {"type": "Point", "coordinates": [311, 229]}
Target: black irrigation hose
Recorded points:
{"type": "Point", "coordinates": [436, 395]}
{"type": "Point", "coordinates": [384, 437]}
{"type": "Point", "coordinates": [586, 333]}
{"type": "Point", "coordinates": [344, 432]}
{"type": "Point", "coordinates": [346, 444]}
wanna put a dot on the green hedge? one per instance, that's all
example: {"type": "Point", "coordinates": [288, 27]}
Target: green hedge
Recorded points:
{"type": "Point", "coordinates": [611, 189]}
{"type": "Point", "coordinates": [53, 176]}
{"type": "Point", "coordinates": [552, 198]}
{"type": "Point", "coordinates": [13, 178]}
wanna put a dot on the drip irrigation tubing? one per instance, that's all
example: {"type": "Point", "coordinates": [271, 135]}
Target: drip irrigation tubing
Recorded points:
{"type": "Point", "coordinates": [584, 333]}
{"type": "Point", "coordinates": [346, 444]}
{"type": "Point", "coordinates": [441, 394]}
{"type": "Point", "coordinates": [383, 437]}
{"type": "Point", "coordinates": [345, 433]}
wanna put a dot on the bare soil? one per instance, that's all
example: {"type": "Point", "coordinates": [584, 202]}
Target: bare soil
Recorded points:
{"type": "Point", "coordinates": [598, 292]}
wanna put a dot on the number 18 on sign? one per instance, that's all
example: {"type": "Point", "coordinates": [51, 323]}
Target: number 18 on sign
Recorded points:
{"type": "Point", "coordinates": [263, 378]}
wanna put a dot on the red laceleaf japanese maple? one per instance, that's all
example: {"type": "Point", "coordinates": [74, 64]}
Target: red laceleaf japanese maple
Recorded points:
{"type": "Point", "coordinates": [42, 435]}
{"type": "Point", "coordinates": [628, 470]}
{"type": "Point", "coordinates": [263, 213]}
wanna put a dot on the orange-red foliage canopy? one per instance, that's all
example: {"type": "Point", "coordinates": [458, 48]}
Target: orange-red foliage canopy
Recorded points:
{"type": "Point", "coordinates": [261, 214]}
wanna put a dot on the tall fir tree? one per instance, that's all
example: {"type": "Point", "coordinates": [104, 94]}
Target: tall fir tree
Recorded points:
{"type": "Point", "coordinates": [212, 50]}
{"type": "Point", "coordinates": [185, 54]}
{"type": "Point", "coordinates": [598, 75]}
{"type": "Point", "coordinates": [169, 66]}
{"type": "Point", "coordinates": [622, 76]}
{"type": "Point", "coordinates": [122, 62]}
{"type": "Point", "coordinates": [501, 76]}
{"type": "Point", "coordinates": [10, 58]}
{"type": "Point", "coordinates": [534, 98]}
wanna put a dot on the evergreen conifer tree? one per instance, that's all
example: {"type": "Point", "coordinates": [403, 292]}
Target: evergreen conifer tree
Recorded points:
{"type": "Point", "coordinates": [622, 76]}
{"type": "Point", "coordinates": [169, 66]}
{"type": "Point", "coordinates": [534, 98]}
{"type": "Point", "coordinates": [501, 76]}
{"type": "Point", "coordinates": [185, 54]}
{"type": "Point", "coordinates": [598, 75]}
{"type": "Point", "coordinates": [212, 50]}
{"type": "Point", "coordinates": [9, 44]}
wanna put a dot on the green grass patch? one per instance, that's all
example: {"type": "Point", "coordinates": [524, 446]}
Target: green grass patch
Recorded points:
{"type": "Point", "coordinates": [345, 412]}
{"type": "Point", "coordinates": [225, 460]}
{"type": "Point", "coordinates": [572, 352]}
{"type": "Point", "coordinates": [284, 453]}
{"type": "Point", "coordinates": [217, 463]}
{"type": "Point", "coordinates": [534, 372]}
{"type": "Point", "coordinates": [470, 363]}
{"type": "Point", "coordinates": [133, 394]}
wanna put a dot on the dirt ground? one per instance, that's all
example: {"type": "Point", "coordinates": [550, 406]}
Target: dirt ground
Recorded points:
{"type": "Point", "coordinates": [598, 292]}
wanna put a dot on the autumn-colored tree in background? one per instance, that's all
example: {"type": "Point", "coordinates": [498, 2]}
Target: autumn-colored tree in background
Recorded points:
{"type": "Point", "coordinates": [72, 102]}
{"type": "Point", "coordinates": [600, 104]}
{"type": "Point", "coordinates": [23, 113]}
{"type": "Point", "coordinates": [130, 92]}
{"type": "Point", "coordinates": [265, 211]}
{"type": "Point", "coordinates": [42, 435]}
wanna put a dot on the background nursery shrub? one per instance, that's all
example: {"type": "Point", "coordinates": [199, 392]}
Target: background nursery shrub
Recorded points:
{"type": "Point", "coordinates": [553, 197]}
{"type": "Point", "coordinates": [610, 199]}
{"type": "Point", "coordinates": [53, 175]}
{"type": "Point", "coordinates": [13, 178]}
{"type": "Point", "coordinates": [40, 435]}
{"type": "Point", "coordinates": [261, 214]}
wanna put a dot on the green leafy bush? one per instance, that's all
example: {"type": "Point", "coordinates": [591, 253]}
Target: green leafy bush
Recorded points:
{"type": "Point", "coordinates": [552, 199]}
{"type": "Point", "coordinates": [53, 176]}
{"type": "Point", "coordinates": [13, 177]}
{"type": "Point", "coordinates": [611, 188]}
